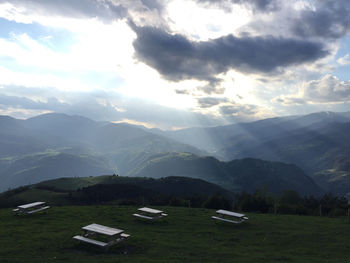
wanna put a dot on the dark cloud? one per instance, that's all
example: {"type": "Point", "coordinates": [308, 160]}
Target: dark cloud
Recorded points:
{"type": "Point", "coordinates": [106, 10]}
{"type": "Point", "coordinates": [239, 109]}
{"type": "Point", "coordinates": [211, 88]}
{"type": "Point", "coordinates": [256, 5]}
{"type": "Point", "coordinates": [182, 91]}
{"type": "Point", "coordinates": [328, 19]}
{"type": "Point", "coordinates": [177, 58]}
{"type": "Point", "coordinates": [153, 5]}
{"type": "Point", "coordinates": [208, 102]}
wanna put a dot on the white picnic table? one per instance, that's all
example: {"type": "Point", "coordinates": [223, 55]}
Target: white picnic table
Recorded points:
{"type": "Point", "coordinates": [31, 208]}
{"type": "Point", "coordinates": [113, 235]}
{"type": "Point", "coordinates": [225, 215]}
{"type": "Point", "coordinates": [100, 229]}
{"type": "Point", "coordinates": [150, 213]}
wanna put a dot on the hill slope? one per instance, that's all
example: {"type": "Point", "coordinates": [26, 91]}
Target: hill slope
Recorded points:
{"type": "Point", "coordinates": [237, 175]}
{"type": "Point", "coordinates": [187, 235]}
{"type": "Point", "coordinates": [102, 189]}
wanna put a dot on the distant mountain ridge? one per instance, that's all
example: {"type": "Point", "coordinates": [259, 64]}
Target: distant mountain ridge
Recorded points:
{"type": "Point", "coordinates": [314, 142]}
{"type": "Point", "coordinates": [238, 175]}
{"type": "Point", "coordinates": [39, 148]}
{"type": "Point", "coordinates": [102, 147]}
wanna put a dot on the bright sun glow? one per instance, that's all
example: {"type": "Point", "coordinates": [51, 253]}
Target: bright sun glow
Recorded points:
{"type": "Point", "coordinates": [202, 23]}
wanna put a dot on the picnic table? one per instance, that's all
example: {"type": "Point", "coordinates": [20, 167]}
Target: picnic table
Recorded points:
{"type": "Point", "coordinates": [150, 213]}
{"type": "Point", "coordinates": [110, 235]}
{"type": "Point", "coordinates": [227, 216]}
{"type": "Point", "coordinates": [30, 208]}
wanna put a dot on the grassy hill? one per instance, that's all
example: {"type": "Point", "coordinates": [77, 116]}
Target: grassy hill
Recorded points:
{"type": "Point", "coordinates": [186, 235]}
{"type": "Point", "coordinates": [116, 189]}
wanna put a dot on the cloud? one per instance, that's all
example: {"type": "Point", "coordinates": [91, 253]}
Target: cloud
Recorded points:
{"type": "Point", "coordinates": [212, 88]}
{"type": "Point", "coordinates": [236, 109]}
{"type": "Point", "coordinates": [208, 102]}
{"type": "Point", "coordinates": [344, 60]}
{"type": "Point", "coordinates": [327, 90]}
{"type": "Point", "coordinates": [105, 10]}
{"type": "Point", "coordinates": [183, 91]}
{"type": "Point", "coordinates": [256, 5]}
{"type": "Point", "coordinates": [232, 111]}
{"type": "Point", "coordinates": [22, 102]}
{"type": "Point", "coordinates": [153, 5]}
{"type": "Point", "coordinates": [326, 19]}
{"type": "Point", "coordinates": [289, 100]}
{"type": "Point", "coordinates": [98, 105]}
{"type": "Point", "coordinates": [177, 58]}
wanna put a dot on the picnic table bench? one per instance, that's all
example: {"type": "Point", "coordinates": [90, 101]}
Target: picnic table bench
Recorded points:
{"type": "Point", "coordinates": [226, 216]}
{"type": "Point", "coordinates": [149, 213]}
{"type": "Point", "coordinates": [30, 208]}
{"type": "Point", "coordinates": [113, 235]}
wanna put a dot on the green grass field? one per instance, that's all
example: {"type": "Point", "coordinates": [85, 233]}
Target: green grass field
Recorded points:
{"type": "Point", "coordinates": [187, 235]}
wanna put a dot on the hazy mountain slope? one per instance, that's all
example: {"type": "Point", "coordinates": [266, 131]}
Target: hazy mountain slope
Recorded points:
{"type": "Point", "coordinates": [39, 167]}
{"type": "Point", "coordinates": [216, 138]}
{"type": "Point", "coordinates": [314, 142]}
{"type": "Point", "coordinates": [238, 175]}
{"type": "Point", "coordinates": [311, 150]}
{"type": "Point", "coordinates": [15, 139]}
{"type": "Point", "coordinates": [82, 143]}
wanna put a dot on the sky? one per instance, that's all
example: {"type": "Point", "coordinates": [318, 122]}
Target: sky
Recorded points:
{"type": "Point", "coordinates": [174, 64]}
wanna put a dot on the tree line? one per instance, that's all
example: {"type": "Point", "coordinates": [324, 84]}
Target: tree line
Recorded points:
{"type": "Point", "coordinates": [261, 201]}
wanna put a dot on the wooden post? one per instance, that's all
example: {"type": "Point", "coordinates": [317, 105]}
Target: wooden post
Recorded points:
{"type": "Point", "coordinates": [320, 210]}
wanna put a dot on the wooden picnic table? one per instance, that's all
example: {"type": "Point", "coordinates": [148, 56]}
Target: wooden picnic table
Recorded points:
{"type": "Point", "coordinates": [223, 215]}
{"type": "Point", "coordinates": [114, 235]}
{"type": "Point", "coordinates": [30, 208]}
{"type": "Point", "coordinates": [150, 213]}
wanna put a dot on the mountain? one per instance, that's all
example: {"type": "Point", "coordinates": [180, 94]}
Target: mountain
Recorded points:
{"type": "Point", "coordinates": [237, 175]}
{"type": "Point", "coordinates": [218, 140]}
{"type": "Point", "coordinates": [43, 166]}
{"type": "Point", "coordinates": [38, 148]}
{"type": "Point", "coordinates": [314, 142]}
{"type": "Point", "coordinates": [80, 146]}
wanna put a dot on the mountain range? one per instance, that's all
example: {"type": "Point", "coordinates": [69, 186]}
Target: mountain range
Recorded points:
{"type": "Point", "coordinates": [319, 143]}
{"type": "Point", "coordinates": [57, 145]}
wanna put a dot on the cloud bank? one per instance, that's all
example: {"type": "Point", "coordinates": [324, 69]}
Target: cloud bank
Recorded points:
{"type": "Point", "coordinates": [177, 58]}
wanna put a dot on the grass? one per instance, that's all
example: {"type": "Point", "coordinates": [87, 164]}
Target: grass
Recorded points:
{"type": "Point", "coordinates": [186, 235]}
